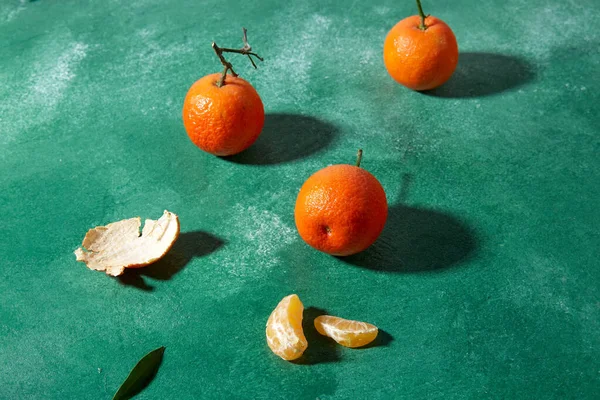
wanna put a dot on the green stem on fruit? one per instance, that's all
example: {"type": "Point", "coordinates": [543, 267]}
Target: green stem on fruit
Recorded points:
{"type": "Point", "coordinates": [422, 25]}
{"type": "Point", "coordinates": [359, 157]}
{"type": "Point", "coordinates": [246, 50]}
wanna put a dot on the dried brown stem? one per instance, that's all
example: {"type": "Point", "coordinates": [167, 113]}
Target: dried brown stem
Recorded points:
{"type": "Point", "coordinates": [246, 50]}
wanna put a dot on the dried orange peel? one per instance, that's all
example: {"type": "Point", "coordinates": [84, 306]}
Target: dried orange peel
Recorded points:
{"type": "Point", "coordinates": [119, 245]}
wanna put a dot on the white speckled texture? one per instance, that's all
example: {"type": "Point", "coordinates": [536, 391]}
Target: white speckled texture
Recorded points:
{"type": "Point", "coordinates": [484, 283]}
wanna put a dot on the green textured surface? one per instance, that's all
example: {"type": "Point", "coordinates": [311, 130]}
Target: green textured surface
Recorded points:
{"type": "Point", "coordinates": [486, 279]}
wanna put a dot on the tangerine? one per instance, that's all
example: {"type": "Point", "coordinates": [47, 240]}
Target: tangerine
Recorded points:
{"type": "Point", "coordinates": [222, 113]}
{"type": "Point", "coordinates": [223, 120]}
{"type": "Point", "coordinates": [341, 209]}
{"type": "Point", "coordinates": [285, 336]}
{"type": "Point", "coordinates": [420, 52]}
{"type": "Point", "coordinates": [346, 332]}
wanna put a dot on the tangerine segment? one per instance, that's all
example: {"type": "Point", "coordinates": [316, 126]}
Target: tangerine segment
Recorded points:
{"type": "Point", "coordinates": [346, 332]}
{"type": "Point", "coordinates": [284, 329]}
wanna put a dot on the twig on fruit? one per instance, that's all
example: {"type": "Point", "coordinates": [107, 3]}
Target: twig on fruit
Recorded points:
{"type": "Point", "coordinates": [359, 157]}
{"type": "Point", "coordinates": [422, 25]}
{"type": "Point", "coordinates": [246, 50]}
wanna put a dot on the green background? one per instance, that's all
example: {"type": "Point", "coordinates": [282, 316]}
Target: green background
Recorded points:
{"type": "Point", "coordinates": [485, 281]}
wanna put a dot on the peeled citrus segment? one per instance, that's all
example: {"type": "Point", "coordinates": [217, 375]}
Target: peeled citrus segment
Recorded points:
{"type": "Point", "coordinates": [346, 332]}
{"type": "Point", "coordinates": [284, 329]}
{"type": "Point", "coordinates": [119, 245]}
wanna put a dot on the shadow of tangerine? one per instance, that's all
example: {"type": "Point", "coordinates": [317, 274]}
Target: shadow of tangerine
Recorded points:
{"type": "Point", "coordinates": [417, 240]}
{"type": "Point", "coordinates": [383, 339]}
{"type": "Point", "coordinates": [485, 74]}
{"type": "Point", "coordinates": [285, 138]}
{"type": "Point", "coordinates": [321, 349]}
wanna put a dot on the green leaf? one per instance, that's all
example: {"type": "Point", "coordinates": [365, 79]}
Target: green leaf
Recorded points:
{"type": "Point", "coordinates": [141, 375]}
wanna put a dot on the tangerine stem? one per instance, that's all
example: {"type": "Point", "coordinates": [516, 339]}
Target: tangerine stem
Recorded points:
{"type": "Point", "coordinates": [422, 25]}
{"type": "Point", "coordinates": [227, 65]}
{"type": "Point", "coordinates": [246, 50]}
{"type": "Point", "coordinates": [222, 80]}
{"type": "Point", "coordinates": [359, 157]}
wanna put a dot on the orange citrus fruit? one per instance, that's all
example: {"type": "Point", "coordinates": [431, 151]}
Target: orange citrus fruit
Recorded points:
{"type": "Point", "coordinates": [223, 120]}
{"type": "Point", "coordinates": [346, 332]}
{"type": "Point", "coordinates": [284, 329]}
{"type": "Point", "coordinates": [341, 210]}
{"type": "Point", "coordinates": [420, 52]}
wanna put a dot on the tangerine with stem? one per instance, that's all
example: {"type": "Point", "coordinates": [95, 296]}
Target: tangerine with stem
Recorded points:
{"type": "Point", "coordinates": [341, 209]}
{"type": "Point", "coordinates": [222, 113]}
{"type": "Point", "coordinates": [420, 52]}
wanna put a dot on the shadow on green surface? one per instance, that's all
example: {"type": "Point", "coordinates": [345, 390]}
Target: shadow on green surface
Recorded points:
{"type": "Point", "coordinates": [383, 339]}
{"type": "Point", "coordinates": [189, 245]}
{"type": "Point", "coordinates": [285, 138]}
{"type": "Point", "coordinates": [485, 74]}
{"type": "Point", "coordinates": [417, 240]}
{"type": "Point", "coordinates": [321, 349]}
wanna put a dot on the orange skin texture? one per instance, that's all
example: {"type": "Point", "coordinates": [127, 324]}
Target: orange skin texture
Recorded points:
{"type": "Point", "coordinates": [223, 120]}
{"type": "Point", "coordinates": [420, 59]}
{"type": "Point", "coordinates": [341, 210]}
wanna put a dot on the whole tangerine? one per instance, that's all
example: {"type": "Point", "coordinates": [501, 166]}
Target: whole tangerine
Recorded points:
{"type": "Point", "coordinates": [341, 209]}
{"type": "Point", "coordinates": [222, 113]}
{"type": "Point", "coordinates": [420, 52]}
{"type": "Point", "coordinates": [223, 120]}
